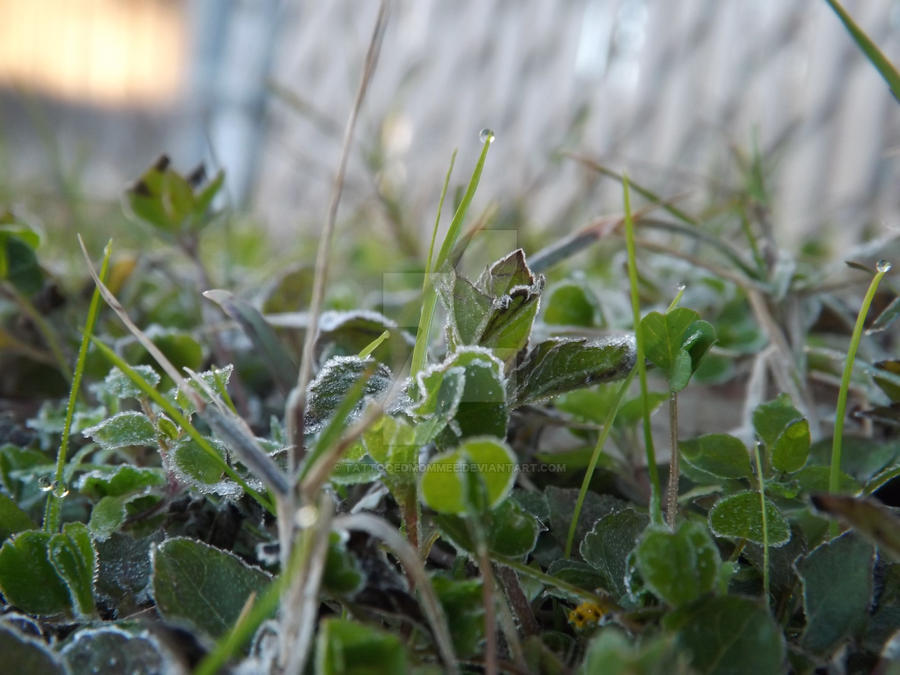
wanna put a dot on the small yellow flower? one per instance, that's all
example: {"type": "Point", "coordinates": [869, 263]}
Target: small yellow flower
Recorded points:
{"type": "Point", "coordinates": [587, 613]}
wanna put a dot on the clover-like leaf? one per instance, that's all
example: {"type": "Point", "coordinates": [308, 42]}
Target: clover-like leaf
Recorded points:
{"type": "Point", "coordinates": [123, 430]}
{"type": "Point", "coordinates": [739, 516]}
{"type": "Point", "coordinates": [345, 646]}
{"type": "Point", "coordinates": [334, 381]}
{"type": "Point", "coordinates": [608, 545]}
{"type": "Point", "coordinates": [202, 585]}
{"type": "Point", "coordinates": [719, 454]}
{"type": "Point", "coordinates": [678, 566]}
{"type": "Point", "coordinates": [558, 365]}
{"type": "Point", "coordinates": [111, 650]}
{"type": "Point", "coordinates": [72, 555]}
{"type": "Point", "coordinates": [28, 580]}
{"type": "Point", "coordinates": [26, 654]}
{"type": "Point", "coordinates": [444, 485]}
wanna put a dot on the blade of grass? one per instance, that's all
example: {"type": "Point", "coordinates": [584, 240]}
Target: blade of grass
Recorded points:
{"type": "Point", "coordinates": [881, 268]}
{"type": "Point", "coordinates": [56, 495]}
{"type": "Point", "coordinates": [869, 48]}
{"type": "Point", "coordinates": [42, 325]}
{"type": "Point", "coordinates": [652, 470]}
{"type": "Point", "coordinates": [595, 457]}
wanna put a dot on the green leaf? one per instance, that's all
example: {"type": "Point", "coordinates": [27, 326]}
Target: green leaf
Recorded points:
{"type": "Point", "coordinates": [772, 418]}
{"type": "Point", "coordinates": [504, 275]}
{"type": "Point", "coordinates": [469, 308]}
{"type": "Point", "coordinates": [194, 465]}
{"type": "Point", "coordinates": [739, 516]}
{"type": "Point", "coordinates": [202, 585]}
{"type": "Point", "coordinates": [889, 385]}
{"type": "Point", "coordinates": [480, 408]}
{"type": "Point", "coordinates": [107, 516]}
{"type": "Point", "coordinates": [816, 478]}
{"type": "Point", "coordinates": [215, 379]}
{"type": "Point", "coordinates": [512, 316]}
{"type": "Point", "coordinates": [22, 268]}
{"type": "Point", "coordinates": [561, 502]}
{"type": "Point", "coordinates": [118, 385]}
{"type": "Point", "coordinates": [25, 654]}
{"type": "Point", "coordinates": [729, 634]}
{"type": "Point", "coordinates": [462, 603]}
{"type": "Point", "coordinates": [203, 198]}
{"type": "Point", "coordinates": [28, 579]}
{"type": "Point", "coordinates": [837, 590]}
{"type": "Point", "coordinates": [444, 483]}
{"type": "Point", "coordinates": [12, 518]}
{"type": "Point", "coordinates": [664, 335]}
{"type": "Point", "coordinates": [349, 648]}
{"type": "Point", "coordinates": [792, 447]}
{"type": "Point", "coordinates": [869, 517]}
{"type": "Point", "coordinates": [559, 365]}
{"type": "Point", "coordinates": [612, 653]}
{"type": "Point", "coordinates": [123, 572]}
{"type": "Point", "coordinates": [120, 480]}
{"type": "Point", "coordinates": [608, 544]}
{"type": "Point", "coordinates": [111, 651]}
{"type": "Point", "coordinates": [571, 304]}
{"type": "Point", "coordinates": [72, 555]}
{"type": "Point", "coordinates": [334, 381]}
{"type": "Point", "coordinates": [343, 573]}
{"type": "Point", "coordinates": [678, 567]}
{"type": "Point", "coordinates": [511, 531]}
{"type": "Point", "coordinates": [123, 430]}
{"type": "Point", "coordinates": [719, 454]}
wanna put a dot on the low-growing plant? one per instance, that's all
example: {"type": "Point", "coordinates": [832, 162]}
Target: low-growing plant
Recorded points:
{"type": "Point", "coordinates": [237, 482]}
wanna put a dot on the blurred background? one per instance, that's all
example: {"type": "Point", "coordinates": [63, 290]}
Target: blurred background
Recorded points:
{"type": "Point", "coordinates": [682, 95]}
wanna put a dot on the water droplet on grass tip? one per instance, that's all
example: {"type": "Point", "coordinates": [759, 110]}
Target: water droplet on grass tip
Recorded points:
{"type": "Point", "coordinates": [883, 266]}
{"type": "Point", "coordinates": [44, 484]}
{"type": "Point", "coordinates": [486, 136]}
{"type": "Point", "coordinates": [306, 516]}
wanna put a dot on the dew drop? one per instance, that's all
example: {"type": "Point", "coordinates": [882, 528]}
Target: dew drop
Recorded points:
{"type": "Point", "coordinates": [680, 288]}
{"type": "Point", "coordinates": [306, 516]}
{"type": "Point", "coordinates": [60, 491]}
{"type": "Point", "coordinates": [44, 484]}
{"type": "Point", "coordinates": [883, 266]}
{"type": "Point", "coordinates": [486, 135]}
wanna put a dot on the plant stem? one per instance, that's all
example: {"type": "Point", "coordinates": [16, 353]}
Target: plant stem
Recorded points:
{"type": "Point", "coordinates": [487, 596]}
{"type": "Point", "coordinates": [765, 523]}
{"type": "Point", "coordinates": [56, 495]}
{"type": "Point", "coordinates": [672, 491]}
{"type": "Point", "coordinates": [882, 268]}
{"type": "Point", "coordinates": [595, 457]}
{"type": "Point", "coordinates": [652, 470]}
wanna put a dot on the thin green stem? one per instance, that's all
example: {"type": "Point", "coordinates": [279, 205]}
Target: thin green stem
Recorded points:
{"type": "Point", "coordinates": [652, 470]}
{"type": "Point", "coordinates": [595, 457]}
{"type": "Point", "coordinates": [765, 523]}
{"type": "Point", "coordinates": [57, 494]}
{"type": "Point", "coordinates": [834, 477]}
{"type": "Point", "coordinates": [672, 490]}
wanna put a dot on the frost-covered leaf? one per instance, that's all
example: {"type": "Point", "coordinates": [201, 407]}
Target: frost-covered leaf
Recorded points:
{"type": "Point", "coordinates": [27, 578]}
{"type": "Point", "coordinates": [730, 634]}
{"type": "Point", "coordinates": [25, 654]}
{"type": "Point", "coordinates": [719, 454]}
{"type": "Point", "coordinates": [608, 544]}
{"type": "Point", "coordinates": [334, 381]}
{"type": "Point", "coordinates": [119, 480]}
{"type": "Point", "coordinates": [506, 274]}
{"type": "Point", "coordinates": [739, 516]}
{"type": "Point", "coordinates": [109, 514]}
{"type": "Point", "coordinates": [123, 572]}
{"type": "Point", "coordinates": [675, 342]}
{"type": "Point", "coordinates": [194, 464]}
{"type": "Point", "coordinates": [112, 651]}
{"type": "Point", "coordinates": [345, 646]}
{"type": "Point", "coordinates": [72, 555]}
{"type": "Point", "coordinates": [559, 365]}
{"type": "Point", "coordinates": [215, 379]}
{"type": "Point", "coordinates": [678, 566]}
{"type": "Point", "coordinates": [118, 385]}
{"type": "Point", "coordinates": [479, 409]}
{"type": "Point", "coordinates": [445, 485]}
{"type": "Point", "coordinates": [348, 333]}
{"type": "Point", "coordinates": [511, 531]}
{"type": "Point", "coordinates": [202, 585]}
{"type": "Point", "coordinates": [837, 589]}
{"type": "Point", "coordinates": [123, 430]}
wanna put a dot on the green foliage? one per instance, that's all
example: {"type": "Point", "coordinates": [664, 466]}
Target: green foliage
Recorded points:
{"type": "Point", "coordinates": [678, 567]}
